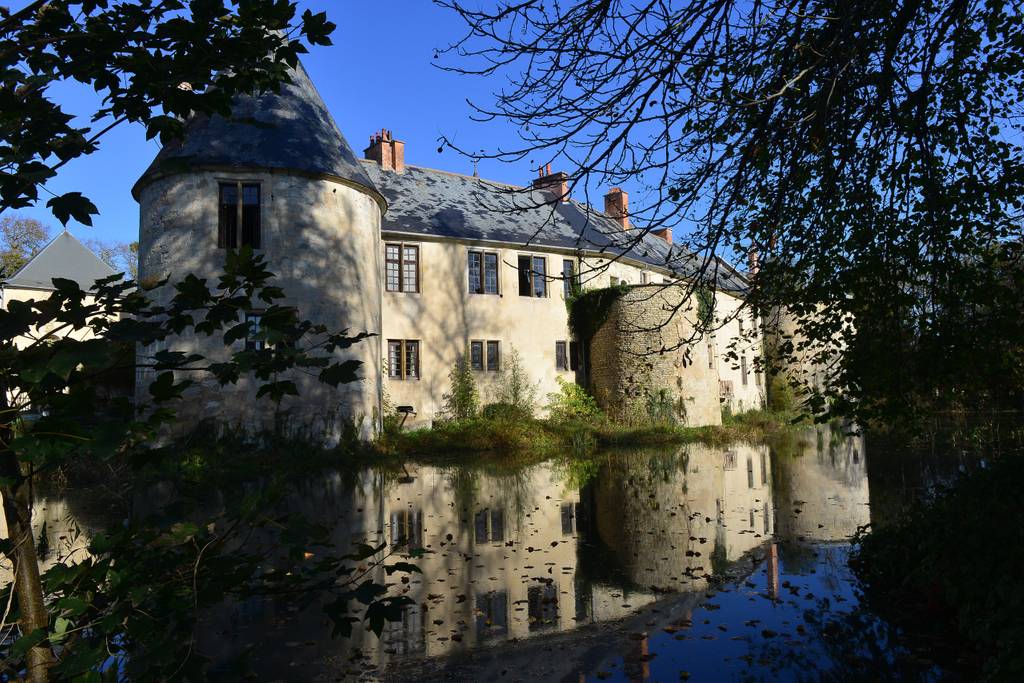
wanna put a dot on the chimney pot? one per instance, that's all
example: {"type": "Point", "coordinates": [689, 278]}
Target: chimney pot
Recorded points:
{"type": "Point", "coordinates": [386, 151]}
{"type": "Point", "coordinates": [556, 185]}
{"type": "Point", "coordinates": [616, 206]}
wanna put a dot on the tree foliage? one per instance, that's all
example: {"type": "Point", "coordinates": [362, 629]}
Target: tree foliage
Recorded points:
{"type": "Point", "coordinates": [136, 597]}
{"type": "Point", "coordinates": [514, 387]}
{"type": "Point", "coordinates": [151, 62]}
{"type": "Point", "coordinates": [869, 151]}
{"type": "Point", "coordinates": [21, 238]}
{"type": "Point", "coordinates": [463, 399]}
{"type": "Point", "coordinates": [121, 256]}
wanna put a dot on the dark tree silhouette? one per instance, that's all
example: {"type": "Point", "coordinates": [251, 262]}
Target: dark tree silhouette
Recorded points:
{"type": "Point", "coordinates": [869, 152]}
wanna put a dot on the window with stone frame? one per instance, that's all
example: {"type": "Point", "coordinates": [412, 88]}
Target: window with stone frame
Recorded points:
{"type": "Point", "coordinates": [403, 359]}
{"type": "Point", "coordinates": [239, 216]}
{"type": "Point", "coordinates": [493, 356]}
{"type": "Point", "coordinates": [561, 356]}
{"type": "Point", "coordinates": [533, 276]}
{"type": "Point", "coordinates": [401, 267]}
{"type": "Point", "coordinates": [483, 272]}
{"type": "Point", "coordinates": [570, 282]}
{"type": "Point", "coordinates": [476, 355]}
{"type": "Point", "coordinates": [485, 355]}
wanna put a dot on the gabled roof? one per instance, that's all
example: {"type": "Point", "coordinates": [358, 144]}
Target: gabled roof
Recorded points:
{"type": "Point", "coordinates": [64, 257]}
{"type": "Point", "coordinates": [288, 130]}
{"type": "Point", "coordinates": [424, 201]}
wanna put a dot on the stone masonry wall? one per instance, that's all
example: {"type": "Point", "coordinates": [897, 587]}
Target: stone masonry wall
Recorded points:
{"type": "Point", "coordinates": [322, 241]}
{"type": "Point", "coordinates": [644, 354]}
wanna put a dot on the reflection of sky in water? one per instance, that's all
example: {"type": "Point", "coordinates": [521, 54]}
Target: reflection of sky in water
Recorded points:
{"type": "Point", "coordinates": [811, 630]}
{"type": "Point", "coordinates": [532, 553]}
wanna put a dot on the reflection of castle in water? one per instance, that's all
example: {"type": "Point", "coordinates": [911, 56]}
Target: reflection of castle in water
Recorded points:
{"type": "Point", "coordinates": [821, 486]}
{"type": "Point", "coordinates": [544, 548]}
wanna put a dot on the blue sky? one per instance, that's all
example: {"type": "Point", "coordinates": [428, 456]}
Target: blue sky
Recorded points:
{"type": "Point", "coordinates": [378, 74]}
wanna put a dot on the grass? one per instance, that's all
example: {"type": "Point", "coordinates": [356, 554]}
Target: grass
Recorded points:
{"type": "Point", "coordinates": [577, 437]}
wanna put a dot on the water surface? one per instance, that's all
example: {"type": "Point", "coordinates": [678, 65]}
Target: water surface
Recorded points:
{"type": "Point", "coordinates": [675, 563]}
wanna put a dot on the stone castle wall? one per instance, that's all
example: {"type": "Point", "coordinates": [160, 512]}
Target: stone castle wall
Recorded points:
{"type": "Point", "coordinates": [643, 349]}
{"type": "Point", "coordinates": [322, 241]}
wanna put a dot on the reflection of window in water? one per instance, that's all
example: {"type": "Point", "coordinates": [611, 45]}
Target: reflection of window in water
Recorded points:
{"type": "Point", "coordinates": [767, 521]}
{"type": "Point", "coordinates": [750, 472]}
{"type": "Point", "coordinates": [406, 635]}
{"type": "Point", "coordinates": [569, 511]}
{"type": "Point", "coordinates": [764, 470]}
{"type": "Point", "coordinates": [491, 615]}
{"type": "Point", "coordinates": [490, 525]}
{"type": "Point", "coordinates": [584, 595]}
{"type": "Point", "coordinates": [730, 460]}
{"type": "Point", "coordinates": [542, 600]}
{"type": "Point", "coordinates": [751, 518]}
{"type": "Point", "coordinates": [406, 528]}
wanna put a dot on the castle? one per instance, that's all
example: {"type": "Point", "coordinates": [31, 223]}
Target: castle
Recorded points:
{"type": "Point", "coordinates": [438, 265]}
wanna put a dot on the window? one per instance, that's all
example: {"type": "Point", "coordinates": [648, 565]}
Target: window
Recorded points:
{"type": "Point", "coordinates": [643, 278]}
{"type": "Point", "coordinates": [476, 355]}
{"type": "Point", "coordinates": [483, 273]}
{"type": "Point", "coordinates": [711, 354]}
{"type": "Point", "coordinates": [542, 606]}
{"type": "Point", "coordinates": [251, 342]}
{"type": "Point", "coordinates": [493, 356]}
{"type": "Point", "coordinates": [490, 525]}
{"type": "Point", "coordinates": [569, 284]}
{"type": "Point", "coordinates": [568, 514]}
{"type": "Point", "coordinates": [406, 528]}
{"type": "Point", "coordinates": [561, 358]}
{"type": "Point", "coordinates": [574, 355]}
{"type": "Point", "coordinates": [239, 208]}
{"type": "Point", "coordinates": [743, 369]}
{"type": "Point", "coordinates": [479, 361]}
{"type": "Point", "coordinates": [491, 615]}
{"type": "Point", "coordinates": [402, 268]}
{"type": "Point", "coordinates": [403, 359]}
{"type": "Point", "coordinates": [533, 276]}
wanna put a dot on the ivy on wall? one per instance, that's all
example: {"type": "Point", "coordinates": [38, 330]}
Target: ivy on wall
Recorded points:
{"type": "Point", "coordinates": [588, 310]}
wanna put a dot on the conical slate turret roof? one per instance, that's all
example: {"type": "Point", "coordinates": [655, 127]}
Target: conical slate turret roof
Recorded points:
{"type": "Point", "coordinates": [289, 130]}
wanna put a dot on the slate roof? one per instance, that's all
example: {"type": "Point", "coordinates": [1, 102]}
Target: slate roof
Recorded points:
{"type": "Point", "coordinates": [425, 201]}
{"type": "Point", "coordinates": [291, 129]}
{"type": "Point", "coordinates": [64, 257]}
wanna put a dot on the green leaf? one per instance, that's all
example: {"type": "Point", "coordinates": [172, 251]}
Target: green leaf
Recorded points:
{"type": "Point", "coordinates": [72, 205]}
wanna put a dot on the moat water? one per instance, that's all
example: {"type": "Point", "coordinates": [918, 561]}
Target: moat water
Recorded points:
{"type": "Point", "coordinates": [664, 564]}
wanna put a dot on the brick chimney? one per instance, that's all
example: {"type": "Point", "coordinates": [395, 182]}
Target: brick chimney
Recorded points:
{"type": "Point", "coordinates": [386, 151]}
{"type": "Point", "coordinates": [753, 260]}
{"type": "Point", "coordinates": [663, 233]}
{"type": "Point", "coordinates": [616, 205]}
{"type": "Point", "coordinates": [556, 185]}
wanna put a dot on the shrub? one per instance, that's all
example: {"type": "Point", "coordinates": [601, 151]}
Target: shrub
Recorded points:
{"type": "Point", "coordinates": [661, 408]}
{"type": "Point", "coordinates": [572, 402]}
{"type": "Point", "coordinates": [780, 394]}
{"type": "Point", "coordinates": [505, 412]}
{"type": "Point", "coordinates": [514, 386]}
{"type": "Point", "coordinates": [462, 400]}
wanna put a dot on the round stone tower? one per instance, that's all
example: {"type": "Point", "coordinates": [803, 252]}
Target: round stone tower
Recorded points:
{"type": "Point", "coordinates": [278, 176]}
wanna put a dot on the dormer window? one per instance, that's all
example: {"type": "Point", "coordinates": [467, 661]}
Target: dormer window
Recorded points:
{"type": "Point", "coordinates": [239, 216]}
